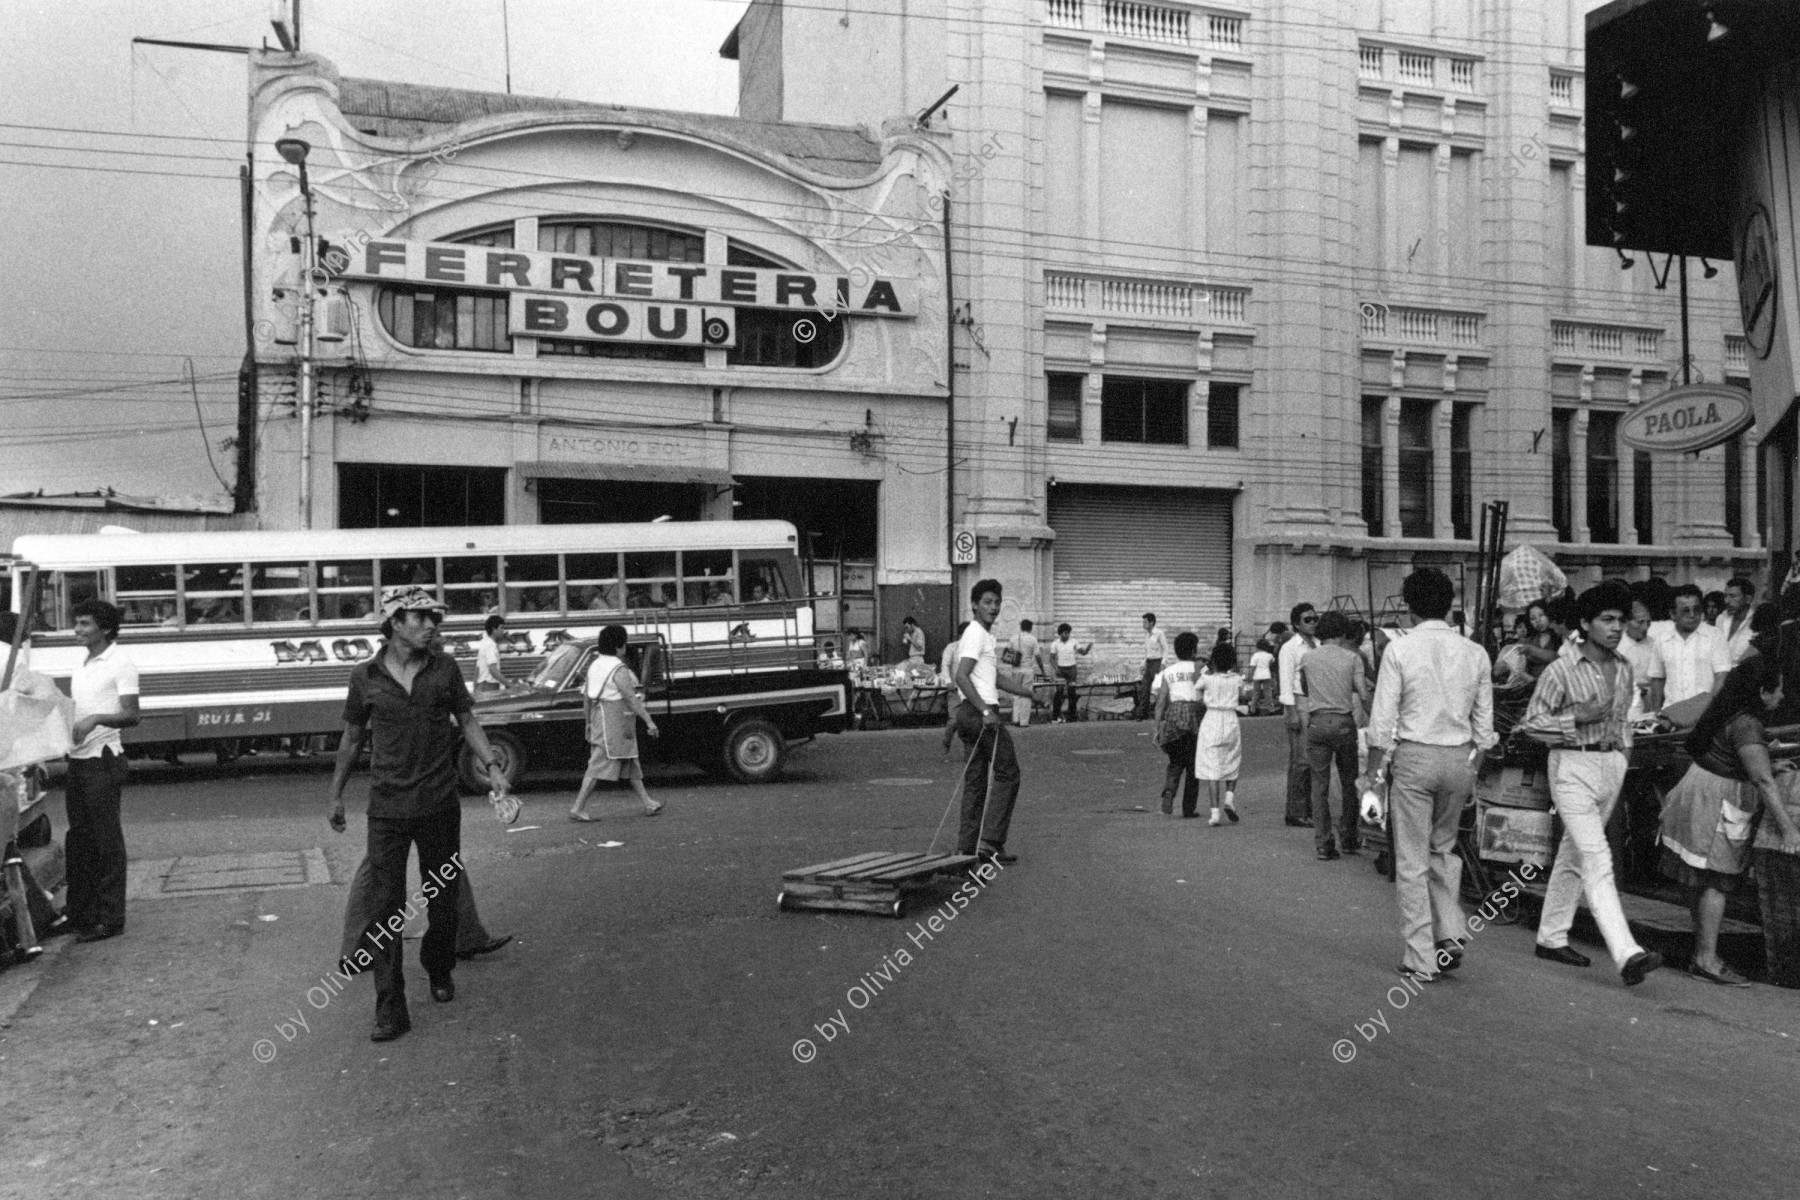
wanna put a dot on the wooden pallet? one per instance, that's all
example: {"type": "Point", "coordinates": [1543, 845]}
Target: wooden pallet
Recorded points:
{"type": "Point", "coordinates": [875, 882]}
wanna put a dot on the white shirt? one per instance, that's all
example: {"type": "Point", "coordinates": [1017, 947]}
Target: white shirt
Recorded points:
{"type": "Point", "coordinates": [1690, 663]}
{"type": "Point", "coordinates": [1433, 689]}
{"type": "Point", "coordinates": [1646, 664]}
{"type": "Point", "coordinates": [1027, 645]}
{"type": "Point", "coordinates": [1156, 646]}
{"type": "Point", "coordinates": [1177, 679]}
{"type": "Point", "coordinates": [487, 661]}
{"type": "Point", "coordinates": [602, 678]}
{"type": "Point", "coordinates": [1260, 662]}
{"type": "Point", "coordinates": [1064, 651]}
{"type": "Point", "coordinates": [915, 643]}
{"type": "Point", "coordinates": [978, 644]}
{"type": "Point", "coordinates": [96, 687]}
{"type": "Point", "coordinates": [1289, 663]}
{"type": "Point", "coordinates": [1737, 645]}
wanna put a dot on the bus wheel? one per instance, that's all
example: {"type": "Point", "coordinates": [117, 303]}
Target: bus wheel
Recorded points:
{"type": "Point", "coordinates": [755, 751]}
{"type": "Point", "coordinates": [507, 751]}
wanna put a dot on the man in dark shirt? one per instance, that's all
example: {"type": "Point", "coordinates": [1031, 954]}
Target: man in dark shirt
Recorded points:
{"type": "Point", "coordinates": [412, 698]}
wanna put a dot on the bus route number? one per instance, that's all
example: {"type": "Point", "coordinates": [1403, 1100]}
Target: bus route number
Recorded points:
{"type": "Point", "coordinates": [220, 718]}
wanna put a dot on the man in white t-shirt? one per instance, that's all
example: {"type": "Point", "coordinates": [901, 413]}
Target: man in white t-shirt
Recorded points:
{"type": "Point", "coordinates": [488, 676]}
{"type": "Point", "coordinates": [105, 690]}
{"type": "Point", "coordinates": [1694, 655]}
{"type": "Point", "coordinates": [1734, 623]}
{"type": "Point", "coordinates": [986, 811]}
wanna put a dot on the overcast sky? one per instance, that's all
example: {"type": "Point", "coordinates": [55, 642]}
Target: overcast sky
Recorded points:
{"type": "Point", "coordinates": [113, 276]}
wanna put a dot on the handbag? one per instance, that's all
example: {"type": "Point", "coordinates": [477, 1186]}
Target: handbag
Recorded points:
{"type": "Point", "coordinates": [1010, 655]}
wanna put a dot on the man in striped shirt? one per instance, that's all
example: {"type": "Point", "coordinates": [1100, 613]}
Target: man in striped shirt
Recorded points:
{"type": "Point", "coordinates": [1580, 709]}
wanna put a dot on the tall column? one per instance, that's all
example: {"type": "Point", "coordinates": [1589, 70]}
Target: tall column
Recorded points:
{"type": "Point", "coordinates": [1390, 467]}
{"type": "Point", "coordinates": [1626, 458]}
{"type": "Point", "coordinates": [1442, 526]}
{"type": "Point", "coordinates": [1578, 522]}
{"type": "Point", "coordinates": [1749, 457]}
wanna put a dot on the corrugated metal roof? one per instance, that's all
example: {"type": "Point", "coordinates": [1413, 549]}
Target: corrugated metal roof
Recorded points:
{"type": "Point", "coordinates": [17, 522]}
{"type": "Point", "coordinates": [406, 110]}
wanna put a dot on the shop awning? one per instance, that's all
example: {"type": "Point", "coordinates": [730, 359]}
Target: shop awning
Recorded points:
{"type": "Point", "coordinates": [626, 472]}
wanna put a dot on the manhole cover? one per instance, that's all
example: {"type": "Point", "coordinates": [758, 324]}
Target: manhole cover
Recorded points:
{"type": "Point", "coordinates": [1096, 753]}
{"type": "Point", "coordinates": [210, 874]}
{"type": "Point", "coordinates": [901, 781]}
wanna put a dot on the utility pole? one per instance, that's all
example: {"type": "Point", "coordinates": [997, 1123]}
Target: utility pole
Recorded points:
{"type": "Point", "coordinates": [294, 150]}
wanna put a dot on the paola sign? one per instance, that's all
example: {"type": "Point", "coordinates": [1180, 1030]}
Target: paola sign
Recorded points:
{"type": "Point", "coordinates": [1688, 418]}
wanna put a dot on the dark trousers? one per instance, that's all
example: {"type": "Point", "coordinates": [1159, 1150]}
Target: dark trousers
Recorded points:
{"type": "Point", "coordinates": [1331, 737]}
{"type": "Point", "coordinates": [986, 813]}
{"type": "Point", "coordinates": [359, 910]}
{"type": "Point", "coordinates": [1065, 689]}
{"type": "Point", "coordinates": [1152, 668]}
{"type": "Point", "coordinates": [1299, 774]}
{"type": "Point", "coordinates": [439, 838]}
{"type": "Point", "coordinates": [1181, 759]}
{"type": "Point", "coordinates": [95, 845]}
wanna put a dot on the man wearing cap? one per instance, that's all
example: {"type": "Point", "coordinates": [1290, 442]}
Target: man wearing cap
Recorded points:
{"type": "Point", "coordinates": [410, 697]}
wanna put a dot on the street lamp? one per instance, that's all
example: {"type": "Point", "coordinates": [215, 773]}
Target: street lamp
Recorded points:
{"type": "Point", "coordinates": [294, 150]}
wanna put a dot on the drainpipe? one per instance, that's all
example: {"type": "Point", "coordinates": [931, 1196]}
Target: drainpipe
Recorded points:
{"type": "Point", "coordinates": [950, 399]}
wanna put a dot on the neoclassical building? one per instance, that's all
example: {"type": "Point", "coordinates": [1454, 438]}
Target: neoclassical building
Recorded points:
{"type": "Point", "coordinates": [1256, 305]}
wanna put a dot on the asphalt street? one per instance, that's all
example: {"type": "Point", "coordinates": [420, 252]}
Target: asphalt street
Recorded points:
{"type": "Point", "coordinates": [1140, 1007]}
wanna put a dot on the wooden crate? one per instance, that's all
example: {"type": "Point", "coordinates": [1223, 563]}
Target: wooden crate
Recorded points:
{"type": "Point", "coordinates": [875, 882]}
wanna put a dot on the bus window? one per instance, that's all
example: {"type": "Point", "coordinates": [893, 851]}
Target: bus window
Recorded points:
{"type": "Point", "coordinates": [593, 582]}
{"type": "Point", "coordinates": [471, 585]}
{"type": "Point", "coordinates": [523, 571]}
{"type": "Point", "coordinates": [213, 593]}
{"type": "Point", "coordinates": [706, 578]}
{"type": "Point", "coordinates": [398, 572]}
{"type": "Point", "coordinates": [281, 591]}
{"type": "Point", "coordinates": [145, 595]}
{"type": "Point", "coordinates": [766, 579]}
{"type": "Point", "coordinates": [60, 592]}
{"type": "Point", "coordinates": [346, 590]}
{"type": "Point", "coordinates": [650, 581]}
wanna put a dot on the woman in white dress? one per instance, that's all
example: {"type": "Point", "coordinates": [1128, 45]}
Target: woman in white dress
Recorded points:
{"type": "Point", "coordinates": [1219, 753]}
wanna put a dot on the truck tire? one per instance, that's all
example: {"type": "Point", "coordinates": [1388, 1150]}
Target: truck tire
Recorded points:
{"type": "Point", "coordinates": [755, 751]}
{"type": "Point", "coordinates": [512, 761]}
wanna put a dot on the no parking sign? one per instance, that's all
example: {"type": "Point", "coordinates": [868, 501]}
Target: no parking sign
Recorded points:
{"type": "Point", "coordinates": [962, 548]}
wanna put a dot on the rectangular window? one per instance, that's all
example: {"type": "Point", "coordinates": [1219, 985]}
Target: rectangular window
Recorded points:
{"type": "Point", "coordinates": [471, 585]}
{"type": "Point", "coordinates": [1416, 479]}
{"type": "Point", "coordinates": [1561, 512]}
{"type": "Point", "coordinates": [1064, 422]}
{"type": "Point", "coordinates": [281, 591]}
{"type": "Point", "coordinates": [1152, 411]}
{"type": "Point", "coordinates": [1643, 500]}
{"type": "Point", "coordinates": [213, 593]}
{"type": "Point", "coordinates": [145, 595]}
{"type": "Point", "coordinates": [1462, 471]}
{"type": "Point", "coordinates": [706, 578]}
{"type": "Point", "coordinates": [1374, 410]}
{"type": "Point", "coordinates": [650, 580]}
{"type": "Point", "coordinates": [379, 495]}
{"type": "Point", "coordinates": [593, 581]}
{"type": "Point", "coordinates": [531, 583]}
{"type": "Point", "coordinates": [1603, 477]}
{"type": "Point", "coordinates": [445, 320]}
{"type": "Point", "coordinates": [346, 590]}
{"type": "Point", "coordinates": [1734, 490]}
{"type": "Point", "coordinates": [1222, 415]}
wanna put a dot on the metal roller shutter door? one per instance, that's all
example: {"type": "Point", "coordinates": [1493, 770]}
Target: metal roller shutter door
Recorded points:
{"type": "Point", "coordinates": [1121, 552]}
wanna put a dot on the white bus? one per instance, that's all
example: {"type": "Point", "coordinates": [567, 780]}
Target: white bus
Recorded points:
{"type": "Point", "coordinates": [252, 634]}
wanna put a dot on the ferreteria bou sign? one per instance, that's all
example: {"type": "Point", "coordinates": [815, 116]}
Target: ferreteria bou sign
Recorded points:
{"type": "Point", "coordinates": [855, 293]}
{"type": "Point", "coordinates": [1688, 418]}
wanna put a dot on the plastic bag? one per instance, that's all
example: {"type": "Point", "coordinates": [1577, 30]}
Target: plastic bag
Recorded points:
{"type": "Point", "coordinates": [506, 806]}
{"type": "Point", "coordinates": [34, 727]}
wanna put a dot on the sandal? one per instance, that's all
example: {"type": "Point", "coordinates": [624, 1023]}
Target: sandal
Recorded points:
{"type": "Point", "coordinates": [583, 819]}
{"type": "Point", "coordinates": [654, 807]}
{"type": "Point", "coordinates": [1724, 976]}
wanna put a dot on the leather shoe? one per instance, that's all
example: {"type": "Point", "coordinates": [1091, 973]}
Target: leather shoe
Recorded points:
{"type": "Point", "coordinates": [1724, 976]}
{"type": "Point", "coordinates": [1566, 955]}
{"type": "Point", "coordinates": [1638, 966]}
{"type": "Point", "coordinates": [1329, 854]}
{"type": "Point", "coordinates": [495, 944]}
{"type": "Point", "coordinates": [1416, 977]}
{"type": "Point", "coordinates": [444, 990]}
{"type": "Point", "coordinates": [57, 928]}
{"type": "Point", "coordinates": [1449, 954]}
{"type": "Point", "coordinates": [387, 1031]}
{"type": "Point", "coordinates": [98, 933]}
{"type": "Point", "coordinates": [999, 856]}
{"type": "Point", "coordinates": [1297, 823]}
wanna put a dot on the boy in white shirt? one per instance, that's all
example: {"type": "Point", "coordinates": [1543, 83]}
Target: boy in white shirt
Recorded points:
{"type": "Point", "coordinates": [986, 811]}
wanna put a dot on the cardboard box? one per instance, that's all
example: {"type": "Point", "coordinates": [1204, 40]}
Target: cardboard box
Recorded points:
{"type": "Point", "coordinates": [1514, 787]}
{"type": "Point", "coordinates": [1514, 835]}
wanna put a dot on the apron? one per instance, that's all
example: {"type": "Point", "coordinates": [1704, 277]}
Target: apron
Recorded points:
{"type": "Point", "coordinates": [611, 723]}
